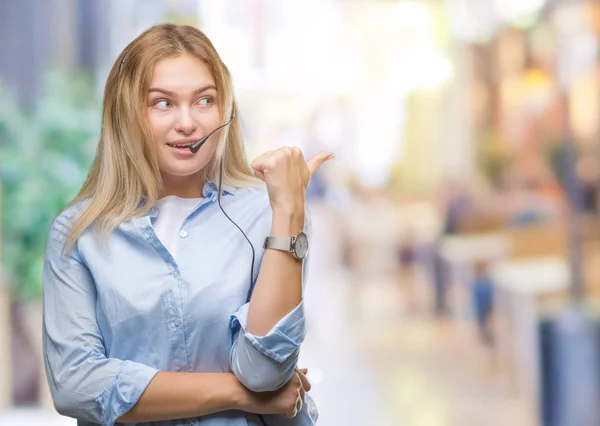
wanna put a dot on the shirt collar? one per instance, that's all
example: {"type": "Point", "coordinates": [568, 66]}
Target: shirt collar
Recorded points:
{"type": "Point", "coordinates": [210, 188]}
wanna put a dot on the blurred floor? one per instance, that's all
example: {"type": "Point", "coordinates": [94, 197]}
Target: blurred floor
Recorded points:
{"type": "Point", "coordinates": [412, 373]}
{"type": "Point", "coordinates": [385, 361]}
{"type": "Point", "coordinates": [375, 358]}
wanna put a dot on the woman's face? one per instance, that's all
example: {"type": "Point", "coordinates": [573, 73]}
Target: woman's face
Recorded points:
{"type": "Point", "coordinates": [181, 109]}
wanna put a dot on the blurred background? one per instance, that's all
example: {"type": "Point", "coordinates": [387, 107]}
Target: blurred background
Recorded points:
{"type": "Point", "coordinates": [455, 269]}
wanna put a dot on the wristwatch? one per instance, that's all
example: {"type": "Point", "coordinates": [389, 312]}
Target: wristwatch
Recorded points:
{"type": "Point", "coordinates": [297, 245]}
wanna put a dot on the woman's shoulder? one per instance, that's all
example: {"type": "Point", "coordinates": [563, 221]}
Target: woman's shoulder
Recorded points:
{"type": "Point", "coordinates": [61, 226]}
{"type": "Point", "coordinates": [69, 213]}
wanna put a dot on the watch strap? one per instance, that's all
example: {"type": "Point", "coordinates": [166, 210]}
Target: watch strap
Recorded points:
{"type": "Point", "coordinates": [279, 243]}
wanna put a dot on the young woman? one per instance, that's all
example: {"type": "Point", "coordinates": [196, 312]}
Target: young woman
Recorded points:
{"type": "Point", "coordinates": [157, 307]}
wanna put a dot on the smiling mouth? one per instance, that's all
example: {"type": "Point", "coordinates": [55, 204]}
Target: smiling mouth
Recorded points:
{"type": "Point", "coordinates": [180, 146]}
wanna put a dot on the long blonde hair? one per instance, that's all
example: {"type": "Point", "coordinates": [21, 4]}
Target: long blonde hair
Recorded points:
{"type": "Point", "coordinates": [124, 180]}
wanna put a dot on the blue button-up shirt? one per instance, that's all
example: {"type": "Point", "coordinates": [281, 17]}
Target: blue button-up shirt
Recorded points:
{"type": "Point", "coordinates": [115, 315]}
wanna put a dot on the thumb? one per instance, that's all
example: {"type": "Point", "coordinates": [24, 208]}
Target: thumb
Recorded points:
{"type": "Point", "coordinates": [314, 163]}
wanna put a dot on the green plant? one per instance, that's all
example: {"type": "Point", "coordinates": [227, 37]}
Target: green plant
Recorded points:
{"type": "Point", "coordinates": [44, 157]}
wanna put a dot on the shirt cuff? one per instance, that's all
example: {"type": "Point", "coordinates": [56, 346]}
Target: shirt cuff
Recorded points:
{"type": "Point", "coordinates": [124, 391]}
{"type": "Point", "coordinates": [282, 340]}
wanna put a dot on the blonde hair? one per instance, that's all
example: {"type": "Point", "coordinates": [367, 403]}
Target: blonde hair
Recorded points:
{"type": "Point", "coordinates": [124, 180]}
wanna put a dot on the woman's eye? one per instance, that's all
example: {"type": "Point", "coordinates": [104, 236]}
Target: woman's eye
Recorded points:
{"type": "Point", "coordinates": [162, 104]}
{"type": "Point", "coordinates": [205, 102]}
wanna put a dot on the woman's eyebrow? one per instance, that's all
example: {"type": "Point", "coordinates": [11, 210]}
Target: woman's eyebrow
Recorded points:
{"type": "Point", "coordinates": [169, 93]}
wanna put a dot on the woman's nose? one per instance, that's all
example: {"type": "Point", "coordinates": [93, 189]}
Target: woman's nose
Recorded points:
{"type": "Point", "coordinates": [185, 122]}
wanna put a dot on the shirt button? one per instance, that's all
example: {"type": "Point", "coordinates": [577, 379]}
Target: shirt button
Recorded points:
{"type": "Point", "coordinates": [176, 273]}
{"type": "Point", "coordinates": [183, 234]}
{"type": "Point", "coordinates": [192, 422]}
{"type": "Point", "coordinates": [176, 322]}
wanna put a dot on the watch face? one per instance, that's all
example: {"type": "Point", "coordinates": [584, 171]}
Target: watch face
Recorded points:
{"type": "Point", "coordinates": [301, 245]}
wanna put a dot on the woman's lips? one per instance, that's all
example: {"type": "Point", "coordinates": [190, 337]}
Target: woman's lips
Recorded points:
{"type": "Point", "coordinates": [180, 146]}
{"type": "Point", "coordinates": [181, 150]}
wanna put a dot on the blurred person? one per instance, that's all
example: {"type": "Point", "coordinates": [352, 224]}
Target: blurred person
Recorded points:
{"type": "Point", "coordinates": [482, 301]}
{"type": "Point", "coordinates": [587, 170]}
{"type": "Point", "coordinates": [455, 203]}
{"type": "Point", "coordinates": [440, 281]}
{"type": "Point", "coordinates": [406, 256]}
{"type": "Point", "coordinates": [406, 251]}
{"type": "Point", "coordinates": [153, 311]}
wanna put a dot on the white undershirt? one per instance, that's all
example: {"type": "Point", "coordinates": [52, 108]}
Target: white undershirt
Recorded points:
{"type": "Point", "coordinates": [172, 212]}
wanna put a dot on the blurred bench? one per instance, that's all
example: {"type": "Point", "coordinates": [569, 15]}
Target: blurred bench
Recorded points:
{"type": "Point", "coordinates": [480, 222]}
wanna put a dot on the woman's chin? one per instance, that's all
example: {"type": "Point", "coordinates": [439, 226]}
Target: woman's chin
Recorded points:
{"type": "Point", "coordinates": [182, 171]}
{"type": "Point", "coordinates": [182, 168]}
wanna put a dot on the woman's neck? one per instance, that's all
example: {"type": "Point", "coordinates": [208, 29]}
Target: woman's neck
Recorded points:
{"type": "Point", "coordinates": [182, 186]}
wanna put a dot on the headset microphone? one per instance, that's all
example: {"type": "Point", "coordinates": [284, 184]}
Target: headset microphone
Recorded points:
{"type": "Point", "coordinates": [198, 144]}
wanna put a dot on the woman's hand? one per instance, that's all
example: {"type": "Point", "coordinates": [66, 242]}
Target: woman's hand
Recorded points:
{"type": "Point", "coordinates": [287, 175]}
{"type": "Point", "coordinates": [286, 401]}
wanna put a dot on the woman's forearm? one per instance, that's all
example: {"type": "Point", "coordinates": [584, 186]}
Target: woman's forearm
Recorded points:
{"type": "Point", "coordinates": [278, 288]}
{"type": "Point", "coordinates": [172, 396]}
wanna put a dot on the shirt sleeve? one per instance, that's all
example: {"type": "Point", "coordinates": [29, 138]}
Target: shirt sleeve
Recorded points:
{"type": "Point", "coordinates": [84, 383]}
{"type": "Point", "coordinates": [266, 363]}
